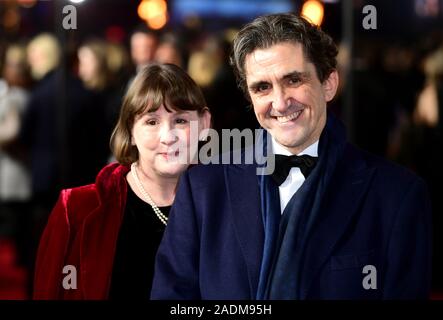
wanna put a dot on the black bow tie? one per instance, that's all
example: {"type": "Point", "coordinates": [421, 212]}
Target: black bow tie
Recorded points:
{"type": "Point", "coordinates": [283, 165]}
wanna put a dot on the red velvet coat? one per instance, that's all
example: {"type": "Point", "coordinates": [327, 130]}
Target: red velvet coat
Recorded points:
{"type": "Point", "coordinates": [82, 231]}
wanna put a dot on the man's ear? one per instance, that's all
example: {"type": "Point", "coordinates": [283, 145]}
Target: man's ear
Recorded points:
{"type": "Point", "coordinates": [330, 86]}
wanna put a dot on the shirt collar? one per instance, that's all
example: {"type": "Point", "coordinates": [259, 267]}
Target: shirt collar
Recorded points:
{"type": "Point", "coordinates": [277, 148]}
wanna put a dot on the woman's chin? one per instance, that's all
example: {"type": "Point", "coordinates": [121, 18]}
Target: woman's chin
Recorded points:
{"type": "Point", "coordinates": [171, 170]}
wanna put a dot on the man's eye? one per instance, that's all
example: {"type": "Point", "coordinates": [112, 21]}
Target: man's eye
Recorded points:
{"type": "Point", "coordinates": [181, 121]}
{"type": "Point", "coordinates": [294, 81]}
{"type": "Point", "coordinates": [262, 87]}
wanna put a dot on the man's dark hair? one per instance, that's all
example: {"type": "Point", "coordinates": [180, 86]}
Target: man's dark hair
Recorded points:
{"type": "Point", "coordinates": [269, 30]}
{"type": "Point", "coordinates": [143, 28]}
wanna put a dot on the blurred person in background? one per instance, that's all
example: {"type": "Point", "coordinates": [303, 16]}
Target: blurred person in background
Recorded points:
{"type": "Point", "coordinates": [96, 75]}
{"type": "Point", "coordinates": [93, 67]}
{"type": "Point", "coordinates": [427, 149]}
{"type": "Point", "coordinates": [110, 230]}
{"type": "Point", "coordinates": [38, 131]}
{"type": "Point", "coordinates": [43, 55]}
{"type": "Point", "coordinates": [119, 64]}
{"type": "Point", "coordinates": [15, 180]}
{"type": "Point", "coordinates": [171, 50]}
{"type": "Point", "coordinates": [209, 67]}
{"type": "Point", "coordinates": [203, 65]}
{"type": "Point", "coordinates": [53, 150]}
{"type": "Point", "coordinates": [231, 110]}
{"type": "Point", "coordinates": [143, 45]}
{"type": "Point", "coordinates": [429, 103]}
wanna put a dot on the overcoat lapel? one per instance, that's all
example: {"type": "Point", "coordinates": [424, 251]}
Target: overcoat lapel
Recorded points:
{"type": "Point", "coordinates": [244, 198]}
{"type": "Point", "coordinates": [346, 192]}
{"type": "Point", "coordinates": [100, 233]}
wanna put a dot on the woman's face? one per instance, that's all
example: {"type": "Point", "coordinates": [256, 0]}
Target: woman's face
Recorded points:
{"type": "Point", "coordinates": [88, 64]}
{"type": "Point", "coordinates": [164, 140]}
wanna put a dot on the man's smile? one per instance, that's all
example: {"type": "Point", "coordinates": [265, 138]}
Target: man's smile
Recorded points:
{"type": "Point", "coordinates": [293, 116]}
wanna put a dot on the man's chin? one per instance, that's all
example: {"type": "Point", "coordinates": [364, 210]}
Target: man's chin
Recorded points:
{"type": "Point", "coordinates": [293, 144]}
{"type": "Point", "coordinates": [288, 138]}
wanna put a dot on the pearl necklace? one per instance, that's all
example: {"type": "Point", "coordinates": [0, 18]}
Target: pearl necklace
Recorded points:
{"type": "Point", "coordinates": [145, 195]}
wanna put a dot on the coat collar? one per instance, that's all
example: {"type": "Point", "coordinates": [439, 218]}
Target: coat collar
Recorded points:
{"type": "Point", "coordinates": [244, 198]}
{"type": "Point", "coordinates": [346, 192]}
{"type": "Point", "coordinates": [100, 231]}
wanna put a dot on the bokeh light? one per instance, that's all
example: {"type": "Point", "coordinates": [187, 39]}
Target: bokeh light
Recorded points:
{"type": "Point", "coordinates": [313, 11]}
{"type": "Point", "coordinates": [154, 12]}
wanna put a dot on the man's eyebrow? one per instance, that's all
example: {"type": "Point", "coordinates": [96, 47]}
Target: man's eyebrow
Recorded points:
{"type": "Point", "coordinates": [296, 74]}
{"type": "Point", "coordinates": [290, 75]}
{"type": "Point", "coordinates": [257, 84]}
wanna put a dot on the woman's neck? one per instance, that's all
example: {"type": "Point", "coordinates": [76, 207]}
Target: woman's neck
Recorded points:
{"type": "Point", "coordinates": [160, 189]}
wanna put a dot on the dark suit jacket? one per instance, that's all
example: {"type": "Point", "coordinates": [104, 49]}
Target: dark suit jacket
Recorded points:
{"type": "Point", "coordinates": [375, 213]}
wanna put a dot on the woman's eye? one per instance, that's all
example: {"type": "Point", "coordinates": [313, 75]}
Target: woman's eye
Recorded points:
{"type": "Point", "coordinates": [151, 122]}
{"type": "Point", "coordinates": [181, 121]}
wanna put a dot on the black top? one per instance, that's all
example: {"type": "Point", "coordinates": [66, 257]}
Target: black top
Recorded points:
{"type": "Point", "coordinates": [138, 240]}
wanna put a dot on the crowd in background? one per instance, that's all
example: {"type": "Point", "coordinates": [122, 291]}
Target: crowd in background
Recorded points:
{"type": "Point", "coordinates": [397, 106]}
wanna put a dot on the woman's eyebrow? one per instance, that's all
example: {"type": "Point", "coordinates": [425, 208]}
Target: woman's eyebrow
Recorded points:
{"type": "Point", "coordinates": [182, 111]}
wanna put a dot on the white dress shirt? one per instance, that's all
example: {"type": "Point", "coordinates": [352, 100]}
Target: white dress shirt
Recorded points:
{"type": "Point", "coordinates": [295, 178]}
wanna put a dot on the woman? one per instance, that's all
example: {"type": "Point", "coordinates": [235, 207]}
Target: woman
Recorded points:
{"type": "Point", "coordinates": [101, 239]}
{"type": "Point", "coordinates": [427, 150]}
{"type": "Point", "coordinates": [95, 74]}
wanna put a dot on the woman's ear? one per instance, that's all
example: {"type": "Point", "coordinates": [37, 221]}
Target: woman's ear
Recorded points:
{"type": "Point", "coordinates": [205, 120]}
{"type": "Point", "coordinates": [330, 86]}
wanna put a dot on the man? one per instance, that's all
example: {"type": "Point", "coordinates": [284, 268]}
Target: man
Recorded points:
{"type": "Point", "coordinates": [342, 224]}
{"type": "Point", "coordinates": [143, 46]}
{"type": "Point", "coordinates": [41, 131]}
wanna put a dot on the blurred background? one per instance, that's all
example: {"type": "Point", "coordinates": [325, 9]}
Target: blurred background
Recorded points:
{"type": "Point", "coordinates": [64, 70]}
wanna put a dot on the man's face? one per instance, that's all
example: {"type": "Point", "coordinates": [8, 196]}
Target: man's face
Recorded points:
{"type": "Point", "coordinates": [142, 48]}
{"type": "Point", "coordinates": [288, 98]}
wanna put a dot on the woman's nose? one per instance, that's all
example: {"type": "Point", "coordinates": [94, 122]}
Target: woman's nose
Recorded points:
{"type": "Point", "coordinates": [168, 135]}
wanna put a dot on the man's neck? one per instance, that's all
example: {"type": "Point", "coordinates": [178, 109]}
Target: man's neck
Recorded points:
{"type": "Point", "coordinates": [311, 150]}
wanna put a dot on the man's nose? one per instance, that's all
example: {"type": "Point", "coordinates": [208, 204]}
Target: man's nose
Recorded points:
{"type": "Point", "coordinates": [279, 100]}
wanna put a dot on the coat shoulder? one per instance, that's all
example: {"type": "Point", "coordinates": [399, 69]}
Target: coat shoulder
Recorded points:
{"type": "Point", "coordinates": [390, 174]}
{"type": "Point", "coordinates": [79, 202]}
